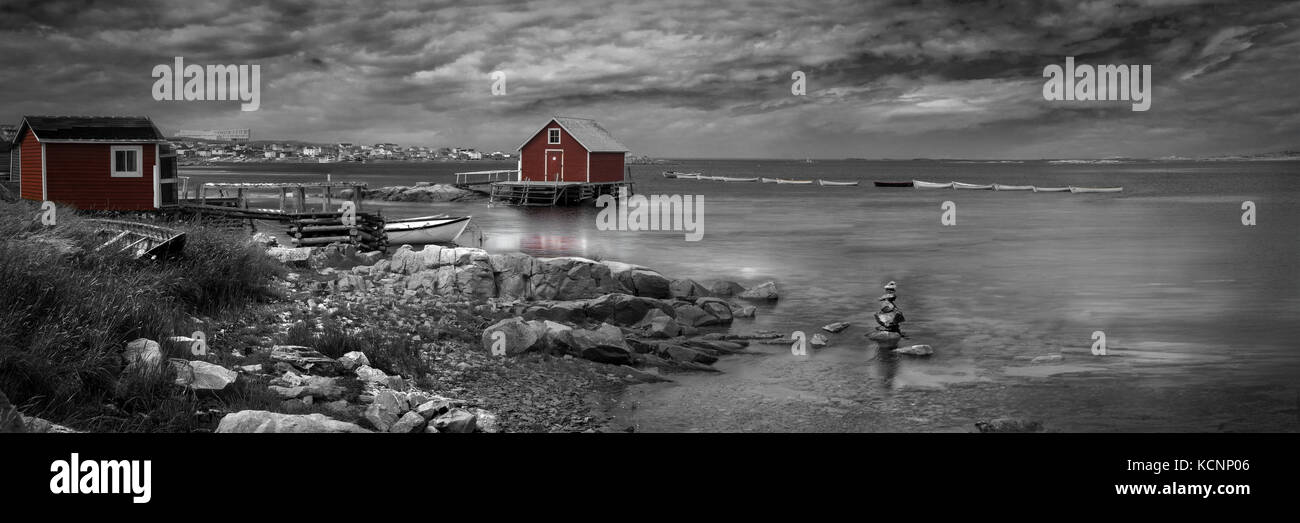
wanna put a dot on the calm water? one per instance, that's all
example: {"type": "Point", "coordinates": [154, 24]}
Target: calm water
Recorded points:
{"type": "Point", "coordinates": [1198, 310]}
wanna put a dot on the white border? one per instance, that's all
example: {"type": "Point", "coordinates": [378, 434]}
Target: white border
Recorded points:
{"type": "Point", "coordinates": [139, 161]}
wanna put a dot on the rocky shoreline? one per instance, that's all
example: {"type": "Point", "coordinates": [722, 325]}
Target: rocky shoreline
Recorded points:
{"type": "Point", "coordinates": [488, 343]}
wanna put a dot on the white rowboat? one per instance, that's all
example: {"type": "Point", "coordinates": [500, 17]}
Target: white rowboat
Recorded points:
{"type": "Point", "coordinates": [825, 183]}
{"type": "Point", "coordinates": [972, 186]}
{"type": "Point", "coordinates": [1095, 189]}
{"type": "Point", "coordinates": [426, 229]}
{"type": "Point", "coordinates": [734, 179]}
{"type": "Point", "coordinates": [1051, 189]}
{"type": "Point", "coordinates": [793, 182]}
{"type": "Point", "coordinates": [930, 185]}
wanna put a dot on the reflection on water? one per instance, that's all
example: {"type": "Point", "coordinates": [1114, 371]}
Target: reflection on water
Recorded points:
{"type": "Point", "coordinates": [1199, 311]}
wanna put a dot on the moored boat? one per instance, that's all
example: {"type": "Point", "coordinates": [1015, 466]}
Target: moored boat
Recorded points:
{"type": "Point", "coordinates": [931, 185]}
{"type": "Point", "coordinates": [1051, 189]}
{"type": "Point", "coordinates": [675, 174]}
{"type": "Point", "coordinates": [793, 182]}
{"type": "Point", "coordinates": [735, 179]}
{"type": "Point", "coordinates": [972, 186]}
{"type": "Point", "coordinates": [907, 183]}
{"type": "Point", "coordinates": [767, 180]}
{"type": "Point", "coordinates": [1001, 187]}
{"type": "Point", "coordinates": [825, 183]}
{"type": "Point", "coordinates": [1074, 189]}
{"type": "Point", "coordinates": [426, 229]}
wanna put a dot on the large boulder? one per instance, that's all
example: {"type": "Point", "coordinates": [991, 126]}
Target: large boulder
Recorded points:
{"type": "Point", "coordinates": [685, 288]}
{"type": "Point", "coordinates": [719, 309]}
{"type": "Point", "coordinates": [639, 280]}
{"type": "Point", "coordinates": [409, 423]}
{"type": "Point", "coordinates": [380, 416]}
{"type": "Point", "coordinates": [603, 345]}
{"type": "Point", "coordinates": [658, 324]}
{"type": "Point", "coordinates": [475, 281]}
{"type": "Point", "coordinates": [210, 376]}
{"type": "Point", "coordinates": [623, 309]}
{"type": "Point", "coordinates": [293, 257]}
{"type": "Point", "coordinates": [518, 335]}
{"type": "Point", "coordinates": [725, 288]}
{"type": "Point", "coordinates": [565, 311]}
{"type": "Point", "coordinates": [274, 422]}
{"type": "Point", "coordinates": [512, 272]}
{"type": "Point", "coordinates": [456, 421]}
{"type": "Point", "coordinates": [571, 278]}
{"type": "Point", "coordinates": [762, 292]}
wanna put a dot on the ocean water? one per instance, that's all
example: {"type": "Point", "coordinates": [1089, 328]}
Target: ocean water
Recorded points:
{"type": "Point", "coordinates": [1198, 310]}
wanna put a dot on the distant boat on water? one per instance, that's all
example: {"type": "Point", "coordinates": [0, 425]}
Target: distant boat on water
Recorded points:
{"type": "Point", "coordinates": [825, 183]}
{"type": "Point", "coordinates": [972, 186]}
{"type": "Point", "coordinates": [767, 180]}
{"type": "Point", "coordinates": [675, 174]}
{"type": "Point", "coordinates": [1051, 189]}
{"type": "Point", "coordinates": [783, 181]}
{"type": "Point", "coordinates": [931, 185]}
{"type": "Point", "coordinates": [1001, 187]}
{"type": "Point", "coordinates": [1074, 189]}
{"type": "Point", "coordinates": [734, 179]}
{"type": "Point", "coordinates": [907, 183]}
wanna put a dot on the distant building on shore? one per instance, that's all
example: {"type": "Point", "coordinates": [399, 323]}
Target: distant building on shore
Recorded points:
{"type": "Point", "coordinates": [116, 163]}
{"type": "Point", "coordinates": [229, 135]}
{"type": "Point", "coordinates": [571, 150]}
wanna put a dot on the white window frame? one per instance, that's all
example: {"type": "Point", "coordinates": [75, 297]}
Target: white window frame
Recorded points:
{"type": "Point", "coordinates": [139, 161]}
{"type": "Point", "coordinates": [557, 136]}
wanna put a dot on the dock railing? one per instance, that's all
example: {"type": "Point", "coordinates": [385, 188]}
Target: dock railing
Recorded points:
{"type": "Point", "coordinates": [486, 177]}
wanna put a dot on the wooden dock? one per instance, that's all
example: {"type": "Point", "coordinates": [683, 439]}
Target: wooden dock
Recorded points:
{"type": "Point", "coordinates": [550, 194]}
{"type": "Point", "coordinates": [307, 224]}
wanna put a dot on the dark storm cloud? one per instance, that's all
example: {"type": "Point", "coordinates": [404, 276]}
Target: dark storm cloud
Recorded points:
{"type": "Point", "coordinates": [682, 77]}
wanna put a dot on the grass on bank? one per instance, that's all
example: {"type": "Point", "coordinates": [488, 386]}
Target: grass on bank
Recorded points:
{"type": "Point", "coordinates": [66, 312]}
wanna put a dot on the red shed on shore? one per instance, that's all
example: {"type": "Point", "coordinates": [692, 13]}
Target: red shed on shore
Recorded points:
{"type": "Point", "coordinates": [94, 162]}
{"type": "Point", "coordinates": [571, 150]}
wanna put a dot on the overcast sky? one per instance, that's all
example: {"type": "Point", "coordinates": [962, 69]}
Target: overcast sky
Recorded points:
{"type": "Point", "coordinates": [683, 78]}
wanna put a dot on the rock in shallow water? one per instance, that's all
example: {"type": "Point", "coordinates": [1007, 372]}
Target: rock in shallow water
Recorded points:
{"type": "Point", "coordinates": [836, 327]}
{"type": "Point", "coordinates": [915, 350]}
{"type": "Point", "coordinates": [763, 292]}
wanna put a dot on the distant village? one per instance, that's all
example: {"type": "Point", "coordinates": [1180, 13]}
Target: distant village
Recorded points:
{"type": "Point", "coordinates": [234, 145]}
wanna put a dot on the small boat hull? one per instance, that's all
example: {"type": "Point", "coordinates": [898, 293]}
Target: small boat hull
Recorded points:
{"type": "Point", "coordinates": [793, 182]}
{"type": "Point", "coordinates": [1095, 189]}
{"type": "Point", "coordinates": [735, 180]}
{"type": "Point", "coordinates": [426, 229]}
{"type": "Point", "coordinates": [971, 186]}
{"type": "Point", "coordinates": [1000, 187]}
{"type": "Point", "coordinates": [768, 180]}
{"type": "Point", "coordinates": [675, 174]}
{"type": "Point", "coordinates": [931, 185]}
{"type": "Point", "coordinates": [894, 184]}
{"type": "Point", "coordinates": [1051, 189]}
{"type": "Point", "coordinates": [825, 183]}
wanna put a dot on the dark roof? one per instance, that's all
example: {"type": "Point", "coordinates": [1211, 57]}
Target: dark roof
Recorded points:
{"type": "Point", "coordinates": [94, 128]}
{"type": "Point", "coordinates": [587, 132]}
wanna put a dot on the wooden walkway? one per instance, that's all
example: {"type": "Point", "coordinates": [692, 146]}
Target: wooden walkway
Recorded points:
{"type": "Point", "coordinates": [550, 194]}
